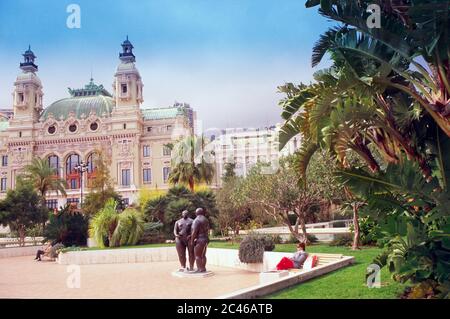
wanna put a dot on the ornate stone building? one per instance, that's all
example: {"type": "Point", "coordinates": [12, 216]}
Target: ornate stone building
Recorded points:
{"type": "Point", "coordinates": [73, 129]}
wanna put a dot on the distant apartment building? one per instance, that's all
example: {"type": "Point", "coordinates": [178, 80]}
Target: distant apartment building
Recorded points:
{"type": "Point", "coordinates": [245, 147]}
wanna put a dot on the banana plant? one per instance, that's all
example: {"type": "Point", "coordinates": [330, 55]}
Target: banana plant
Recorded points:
{"type": "Point", "coordinates": [412, 43]}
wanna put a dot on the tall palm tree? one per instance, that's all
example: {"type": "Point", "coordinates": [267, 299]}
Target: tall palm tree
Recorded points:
{"type": "Point", "coordinates": [192, 162]}
{"type": "Point", "coordinates": [44, 177]}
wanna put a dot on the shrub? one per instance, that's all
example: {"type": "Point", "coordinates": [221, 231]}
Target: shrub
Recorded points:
{"type": "Point", "coordinates": [152, 233]}
{"type": "Point", "coordinates": [339, 224]}
{"type": "Point", "coordinates": [129, 229]}
{"type": "Point", "coordinates": [342, 240]}
{"type": "Point", "coordinates": [277, 239]}
{"type": "Point", "coordinates": [252, 247]}
{"type": "Point", "coordinates": [109, 228]}
{"type": "Point", "coordinates": [311, 239]}
{"type": "Point", "coordinates": [292, 219]}
{"type": "Point", "coordinates": [369, 231]}
{"type": "Point", "coordinates": [68, 228]}
{"type": "Point", "coordinates": [269, 243]}
{"type": "Point", "coordinates": [167, 208]}
{"type": "Point", "coordinates": [35, 231]}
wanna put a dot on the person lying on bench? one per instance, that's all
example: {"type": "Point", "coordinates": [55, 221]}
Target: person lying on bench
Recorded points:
{"type": "Point", "coordinates": [300, 256]}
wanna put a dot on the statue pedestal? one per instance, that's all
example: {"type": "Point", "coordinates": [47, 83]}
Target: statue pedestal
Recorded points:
{"type": "Point", "coordinates": [192, 274]}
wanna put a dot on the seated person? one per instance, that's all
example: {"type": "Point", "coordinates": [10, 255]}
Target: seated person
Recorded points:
{"type": "Point", "coordinates": [300, 256]}
{"type": "Point", "coordinates": [46, 251]}
{"type": "Point", "coordinates": [296, 261]}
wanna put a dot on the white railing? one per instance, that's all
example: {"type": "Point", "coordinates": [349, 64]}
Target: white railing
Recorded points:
{"type": "Point", "coordinates": [14, 242]}
{"type": "Point", "coordinates": [330, 224]}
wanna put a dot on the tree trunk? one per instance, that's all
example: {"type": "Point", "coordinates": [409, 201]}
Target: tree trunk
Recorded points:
{"type": "Point", "coordinates": [191, 184]}
{"type": "Point", "coordinates": [297, 222]}
{"type": "Point", "coordinates": [21, 231]}
{"type": "Point", "coordinates": [355, 245]}
{"type": "Point", "coordinates": [305, 234]}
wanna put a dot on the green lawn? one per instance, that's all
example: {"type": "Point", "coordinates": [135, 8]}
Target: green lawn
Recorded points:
{"type": "Point", "coordinates": [348, 282]}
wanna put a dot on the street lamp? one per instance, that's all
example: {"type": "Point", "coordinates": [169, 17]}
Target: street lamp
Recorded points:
{"type": "Point", "coordinates": [81, 168]}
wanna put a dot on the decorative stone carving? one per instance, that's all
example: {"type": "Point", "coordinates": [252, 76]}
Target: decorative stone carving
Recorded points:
{"type": "Point", "coordinates": [126, 148]}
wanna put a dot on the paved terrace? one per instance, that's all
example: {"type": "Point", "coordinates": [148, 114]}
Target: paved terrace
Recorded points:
{"type": "Point", "coordinates": [22, 277]}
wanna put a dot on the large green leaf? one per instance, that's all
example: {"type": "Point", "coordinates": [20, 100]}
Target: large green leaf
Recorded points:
{"type": "Point", "coordinates": [443, 159]}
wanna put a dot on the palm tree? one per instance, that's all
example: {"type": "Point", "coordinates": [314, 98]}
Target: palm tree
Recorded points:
{"type": "Point", "coordinates": [44, 178]}
{"type": "Point", "coordinates": [129, 229]}
{"type": "Point", "coordinates": [104, 223]}
{"type": "Point", "coordinates": [191, 162]}
{"type": "Point", "coordinates": [342, 113]}
{"type": "Point", "coordinates": [119, 229]}
{"type": "Point", "coordinates": [412, 47]}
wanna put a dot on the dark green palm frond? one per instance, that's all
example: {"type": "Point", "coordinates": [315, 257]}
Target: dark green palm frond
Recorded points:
{"type": "Point", "coordinates": [404, 111]}
{"type": "Point", "coordinates": [324, 44]}
{"type": "Point", "coordinates": [363, 183]}
{"type": "Point", "coordinates": [353, 42]}
{"type": "Point", "coordinates": [404, 177]}
{"type": "Point", "coordinates": [294, 104]}
{"type": "Point", "coordinates": [305, 154]}
{"type": "Point", "coordinates": [393, 34]}
{"type": "Point", "coordinates": [290, 89]}
{"type": "Point", "coordinates": [442, 155]}
{"type": "Point", "coordinates": [290, 129]}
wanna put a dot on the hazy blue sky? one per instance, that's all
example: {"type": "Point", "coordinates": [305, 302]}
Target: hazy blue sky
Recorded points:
{"type": "Point", "coordinates": [224, 57]}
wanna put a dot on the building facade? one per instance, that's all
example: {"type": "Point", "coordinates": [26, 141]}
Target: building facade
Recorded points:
{"type": "Point", "coordinates": [74, 129]}
{"type": "Point", "coordinates": [245, 147]}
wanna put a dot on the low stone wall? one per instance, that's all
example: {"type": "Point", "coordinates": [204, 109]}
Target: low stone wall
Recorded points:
{"type": "Point", "coordinates": [294, 278]}
{"type": "Point", "coordinates": [215, 256]}
{"type": "Point", "coordinates": [230, 258]}
{"type": "Point", "coordinates": [118, 256]}
{"type": "Point", "coordinates": [19, 251]}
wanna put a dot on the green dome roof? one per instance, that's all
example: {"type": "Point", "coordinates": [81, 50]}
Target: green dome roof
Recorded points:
{"type": "Point", "coordinates": [80, 105]}
{"type": "Point", "coordinates": [91, 98]}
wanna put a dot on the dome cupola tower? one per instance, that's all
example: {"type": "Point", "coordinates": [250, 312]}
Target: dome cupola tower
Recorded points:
{"type": "Point", "coordinates": [128, 84]}
{"type": "Point", "coordinates": [27, 96]}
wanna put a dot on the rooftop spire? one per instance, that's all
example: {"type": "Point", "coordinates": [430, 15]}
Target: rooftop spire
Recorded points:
{"type": "Point", "coordinates": [127, 52]}
{"type": "Point", "coordinates": [90, 89]}
{"type": "Point", "coordinates": [28, 61]}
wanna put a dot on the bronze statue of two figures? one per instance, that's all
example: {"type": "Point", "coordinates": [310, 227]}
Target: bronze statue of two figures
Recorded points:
{"type": "Point", "coordinates": [192, 235]}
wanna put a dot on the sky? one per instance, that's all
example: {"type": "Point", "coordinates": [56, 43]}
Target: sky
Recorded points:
{"type": "Point", "coordinates": [223, 57]}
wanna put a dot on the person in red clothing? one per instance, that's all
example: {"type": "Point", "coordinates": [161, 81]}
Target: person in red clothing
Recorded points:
{"type": "Point", "coordinates": [296, 261]}
{"type": "Point", "coordinates": [300, 256]}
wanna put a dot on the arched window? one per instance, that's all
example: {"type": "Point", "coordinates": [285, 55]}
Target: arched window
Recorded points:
{"type": "Point", "coordinates": [92, 162]}
{"type": "Point", "coordinates": [92, 167]}
{"type": "Point", "coordinates": [72, 175]}
{"type": "Point", "coordinates": [53, 163]}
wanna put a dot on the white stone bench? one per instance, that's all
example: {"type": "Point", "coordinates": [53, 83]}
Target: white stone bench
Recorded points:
{"type": "Point", "coordinates": [295, 277]}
